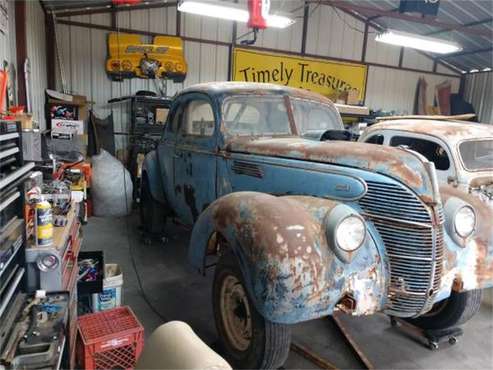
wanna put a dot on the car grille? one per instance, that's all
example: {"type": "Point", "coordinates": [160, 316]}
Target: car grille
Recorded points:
{"type": "Point", "coordinates": [413, 246]}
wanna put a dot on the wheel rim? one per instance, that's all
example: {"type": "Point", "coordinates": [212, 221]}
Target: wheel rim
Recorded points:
{"type": "Point", "coordinates": [235, 313]}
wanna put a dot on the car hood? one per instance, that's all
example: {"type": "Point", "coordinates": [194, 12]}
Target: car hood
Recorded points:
{"type": "Point", "coordinates": [400, 164]}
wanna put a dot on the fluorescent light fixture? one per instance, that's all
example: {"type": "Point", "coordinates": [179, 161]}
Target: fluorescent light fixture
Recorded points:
{"type": "Point", "coordinates": [229, 11]}
{"type": "Point", "coordinates": [487, 69]}
{"type": "Point", "coordinates": [474, 70]}
{"type": "Point", "coordinates": [425, 43]}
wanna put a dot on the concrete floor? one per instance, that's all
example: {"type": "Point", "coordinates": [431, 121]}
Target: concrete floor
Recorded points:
{"type": "Point", "coordinates": [179, 293]}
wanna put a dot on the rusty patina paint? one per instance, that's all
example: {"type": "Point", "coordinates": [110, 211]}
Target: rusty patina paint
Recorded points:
{"type": "Point", "coordinates": [470, 266]}
{"type": "Point", "coordinates": [449, 131]}
{"type": "Point", "coordinates": [393, 162]}
{"type": "Point", "coordinates": [243, 88]}
{"type": "Point", "coordinates": [282, 249]}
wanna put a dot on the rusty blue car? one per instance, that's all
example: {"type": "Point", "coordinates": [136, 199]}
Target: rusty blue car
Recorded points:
{"type": "Point", "coordinates": [297, 228]}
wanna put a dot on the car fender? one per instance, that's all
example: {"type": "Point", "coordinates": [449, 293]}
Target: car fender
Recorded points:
{"type": "Point", "coordinates": [151, 171]}
{"type": "Point", "coordinates": [289, 271]}
{"type": "Point", "coordinates": [469, 265]}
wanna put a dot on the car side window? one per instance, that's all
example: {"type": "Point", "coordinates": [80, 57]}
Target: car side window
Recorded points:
{"type": "Point", "coordinates": [375, 139]}
{"type": "Point", "coordinates": [430, 150]}
{"type": "Point", "coordinates": [198, 119]}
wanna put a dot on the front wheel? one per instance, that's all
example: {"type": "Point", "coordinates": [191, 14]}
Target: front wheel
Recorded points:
{"type": "Point", "coordinates": [248, 340]}
{"type": "Point", "coordinates": [453, 311]}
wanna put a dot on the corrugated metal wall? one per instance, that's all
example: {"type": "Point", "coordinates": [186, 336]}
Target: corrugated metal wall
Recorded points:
{"type": "Point", "coordinates": [394, 89]}
{"type": "Point", "coordinates": [36, 52]}
{"type": "Point", "coordinates": [479, 92]}
{"type": "Point", "coordinates": [330, 33]}
{"type": "Point", "coordinates": [7, 38]}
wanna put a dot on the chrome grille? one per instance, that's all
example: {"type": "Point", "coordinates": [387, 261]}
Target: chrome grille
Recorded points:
{"type": "Point", "coordinates": [413, 246]}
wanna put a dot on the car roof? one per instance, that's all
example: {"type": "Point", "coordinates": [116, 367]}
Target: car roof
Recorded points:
{"type": "Point", "coordinates": [217, 89]}
{"type": "Point", "coordinates": [450, 131]}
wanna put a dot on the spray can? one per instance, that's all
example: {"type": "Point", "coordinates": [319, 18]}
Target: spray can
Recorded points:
{"type": "Point", "coordinates": [44, 224]}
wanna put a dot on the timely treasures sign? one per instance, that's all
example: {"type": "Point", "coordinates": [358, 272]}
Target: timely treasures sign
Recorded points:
{"type": "Point", "coordinates": [326, 77]}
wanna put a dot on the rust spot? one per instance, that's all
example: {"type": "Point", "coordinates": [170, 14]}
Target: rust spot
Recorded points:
{"type": "Point", "coordinates": [362, 155]}
{"type": "Point", "coordinates": [449, 131]}
{"type": "Point", "coordinates": [347, 304]}
{"type": "Point", "coordinates": [277, 236]}
{"type": "Point", "coordinates": [483, 235]}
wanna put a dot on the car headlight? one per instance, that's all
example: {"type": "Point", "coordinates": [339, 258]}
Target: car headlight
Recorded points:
{"type": "Point", "coordinates": [465, 221]}
{"type": "Point", "coordinates": [345, 231]}
{"type": "Point", "coordinates": [460, 220]}
{"type": "Point", "coordinates": [350, 233]}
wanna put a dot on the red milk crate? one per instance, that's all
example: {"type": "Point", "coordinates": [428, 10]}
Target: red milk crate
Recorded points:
{"type": "Point", "coordinates": [111, 339]}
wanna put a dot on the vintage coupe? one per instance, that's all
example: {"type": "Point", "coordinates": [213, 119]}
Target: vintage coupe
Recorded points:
{"type": "Point", "coordinates": [300, 228]}
{"type": "Point", "coordinates": [461, 151]}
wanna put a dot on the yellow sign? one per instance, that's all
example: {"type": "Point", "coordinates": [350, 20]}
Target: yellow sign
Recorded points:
{"type": "Point", "coordinates": [323, 76]}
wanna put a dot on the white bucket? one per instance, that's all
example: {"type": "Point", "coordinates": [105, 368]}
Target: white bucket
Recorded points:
{"type": "Point", "coordinates": [111, 296]}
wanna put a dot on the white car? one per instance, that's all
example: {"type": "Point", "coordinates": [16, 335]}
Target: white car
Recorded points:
{"type": "Point", "coordinates": [461, 151]}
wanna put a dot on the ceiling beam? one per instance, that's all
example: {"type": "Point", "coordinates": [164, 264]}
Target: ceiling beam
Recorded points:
{"type": "Point", "coordinates": [228, 44]}
{"type": "Point", "coordinates": [378, 16]}
{"type": "Point", "coordinates": [110, 9]}
{"type": "Point", "coordinates": [371, 12]}
{"type": "Point", "coordinates": [467, 52]}
{"type": "Point", "coordinates": [471, 24]}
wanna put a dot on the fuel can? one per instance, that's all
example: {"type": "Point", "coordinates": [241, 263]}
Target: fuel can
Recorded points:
{"type": "Point", "coordinates": [44, 224]}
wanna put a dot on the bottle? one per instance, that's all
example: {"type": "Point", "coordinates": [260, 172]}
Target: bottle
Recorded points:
{"type": "Point", "coordinates": [44, 224]}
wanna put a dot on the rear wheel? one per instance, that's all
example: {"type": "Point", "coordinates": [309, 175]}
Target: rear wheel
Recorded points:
{"type": "Point", "coordinates": [152, 216]}
{"type": "Point", "coordinates": [248, 340]}
{"type": "Point", "coordinates": [453, 311]}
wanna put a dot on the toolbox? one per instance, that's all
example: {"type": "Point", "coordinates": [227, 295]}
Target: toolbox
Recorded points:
{"type": "Point", "coordinates": [13, 171]}
{"type": "Point", "coordinates": [12, 166]}
{"type": "Point", "coordinates": [34, 336]}
{"type": "Point", "coordinates": [54, 267]}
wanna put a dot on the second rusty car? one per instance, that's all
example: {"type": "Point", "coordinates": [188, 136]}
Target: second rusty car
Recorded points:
{"type": "Point", "coordinates": [300, 228]}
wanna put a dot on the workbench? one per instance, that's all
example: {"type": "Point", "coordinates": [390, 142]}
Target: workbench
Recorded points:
{"type": "Point", "coordinates": [62, 276]}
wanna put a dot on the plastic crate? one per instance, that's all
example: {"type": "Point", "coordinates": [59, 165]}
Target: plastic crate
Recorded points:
{"type": "Point", "coordinates": [111, 339]}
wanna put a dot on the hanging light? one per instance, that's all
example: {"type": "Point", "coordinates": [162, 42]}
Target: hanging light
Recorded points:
{"type": "Point", "coordinates": [425, 43]}
{"type": "Point", "coordinates": [232, 12]}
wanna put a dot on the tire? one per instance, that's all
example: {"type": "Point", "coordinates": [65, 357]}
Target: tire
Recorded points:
{"type": "Point", "coordinates": [152, 216]}
{"type": "Point", "coordinates": [268, 344]}
{"type": "Point", "coordinates": [454, 311]}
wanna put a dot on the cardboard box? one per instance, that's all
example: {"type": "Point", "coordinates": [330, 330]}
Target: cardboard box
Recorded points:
{"type": "Point", "coordinates": [353, 97]}
{"type": "Point", "coordinates": [26, 120]}
{"type": "Point", "coordinates": [67, 124]}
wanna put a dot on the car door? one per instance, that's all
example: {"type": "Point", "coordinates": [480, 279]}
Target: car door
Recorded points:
{"type": "Point", "coordinates": [195, 158]}
{"type": "Point", "coordinates": [166, 152]}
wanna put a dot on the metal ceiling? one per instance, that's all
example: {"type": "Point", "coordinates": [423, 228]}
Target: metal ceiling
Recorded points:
{"type": "Point", "coordinates": [474, 18]}
{"type": "Point", "coordinates": [60, 6]}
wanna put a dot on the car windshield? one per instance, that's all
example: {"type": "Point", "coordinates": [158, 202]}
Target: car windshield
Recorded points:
{"type": "Point", "coordinates": [256, 115]}
{"type": "Point", "coordinates": [311, 117]}
{"type": "Point", "coordinates": [477, 155]}
{"type": "Point", "coordinates": [267, 116]}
